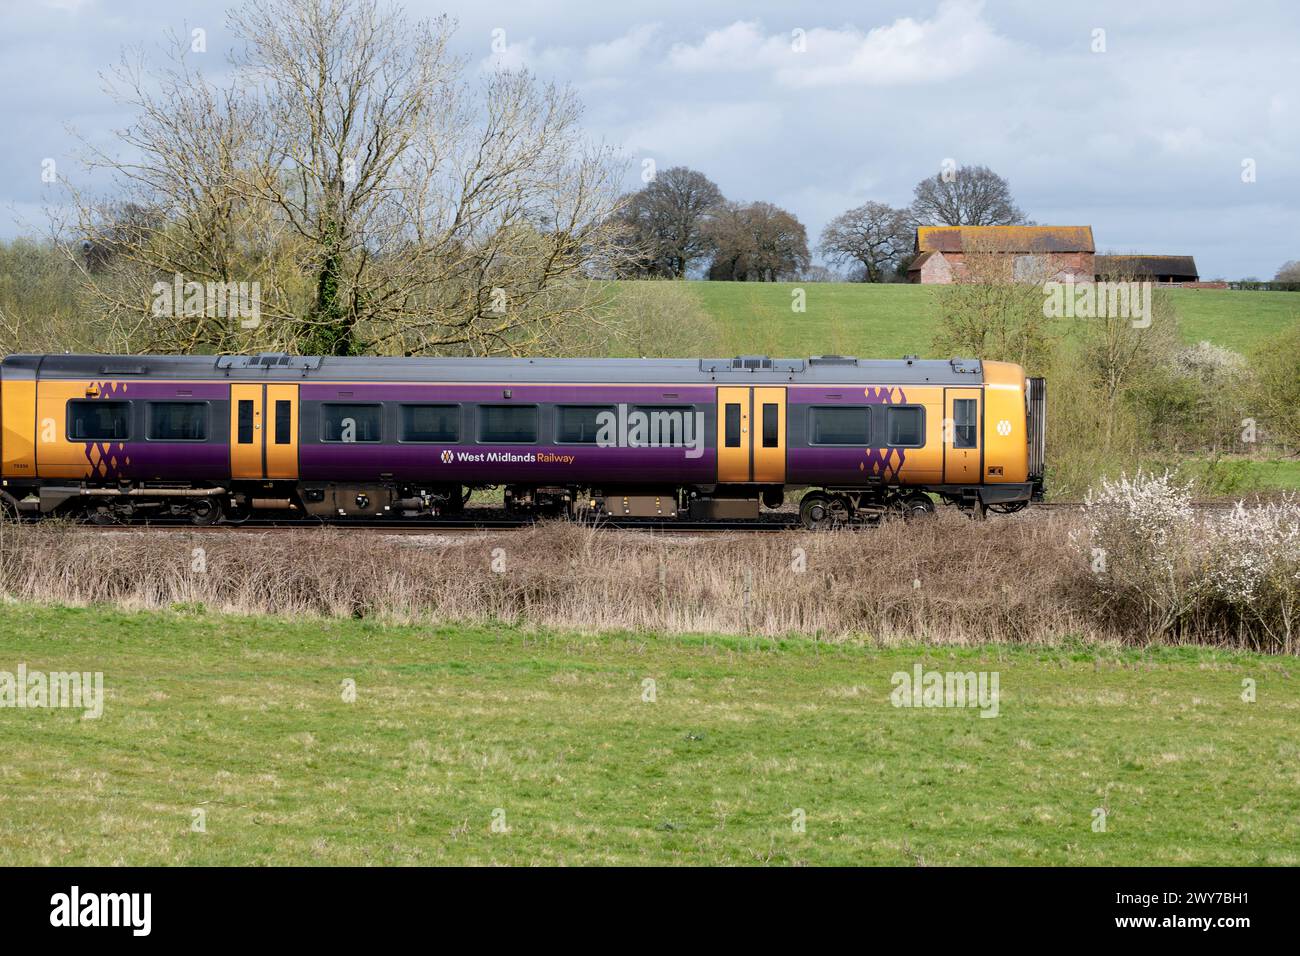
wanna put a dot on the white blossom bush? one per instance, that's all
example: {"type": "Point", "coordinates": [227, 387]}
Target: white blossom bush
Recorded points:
{"type": "Point", "coordinates": [1231, 578]}
{"type": "Point", "coordinates": [1254, 567]}
{"type": "Point", "coordinates": [1208, 361]}
{"type": "Point", "coordinates": [1140, 533]}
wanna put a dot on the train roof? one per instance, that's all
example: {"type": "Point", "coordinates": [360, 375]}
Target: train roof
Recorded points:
{"type": "Point", "coordinates": [831, 369]}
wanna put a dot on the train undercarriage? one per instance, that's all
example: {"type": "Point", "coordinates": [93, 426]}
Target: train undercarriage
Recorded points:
{"type": "Point", "coordinates": [208, 503]}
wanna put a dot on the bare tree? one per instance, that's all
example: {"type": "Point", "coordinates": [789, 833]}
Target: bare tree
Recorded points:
{"type": "Point", "coordinates": [757, 242]}
{"type": "Point", "coordinates": [666, 221]}
{"type": "Point", "coordinates": [875, 235]}
{"type": "Point", "coordinates": [382, 202]}
{"type": "Point", "coordinates": [968, 196]}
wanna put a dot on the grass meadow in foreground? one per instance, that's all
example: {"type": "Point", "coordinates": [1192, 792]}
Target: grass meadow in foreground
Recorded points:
{"type": "Point", "coordinates": [554, 739]}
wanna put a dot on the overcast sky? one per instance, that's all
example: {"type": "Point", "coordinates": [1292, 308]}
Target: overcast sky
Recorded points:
{"type": "Point", "coordinates": [1145, 141]}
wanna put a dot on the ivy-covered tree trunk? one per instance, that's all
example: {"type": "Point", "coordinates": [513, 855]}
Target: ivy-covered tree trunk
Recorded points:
{"type": "Point", "coordinates": [330, 328]}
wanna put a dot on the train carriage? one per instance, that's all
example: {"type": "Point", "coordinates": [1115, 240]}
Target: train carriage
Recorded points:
{"type": "Point", "coordinates": [224, 437]}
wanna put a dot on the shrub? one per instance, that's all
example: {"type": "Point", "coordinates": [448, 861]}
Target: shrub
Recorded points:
{"type": "Point", "coordinates": [1171, 574]}
{"type": "Point", "coordinates": [1139, 533]}
{"type": "Point", "coordinates": [1254, 567]}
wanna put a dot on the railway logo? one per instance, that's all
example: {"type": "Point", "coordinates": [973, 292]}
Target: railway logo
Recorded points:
{"type": "Point", "coordinates": [662, 428]}
{"type": "Point", "coordinates": [446, 456]}
{"type": "Point", "coordinates": [1004, 428]}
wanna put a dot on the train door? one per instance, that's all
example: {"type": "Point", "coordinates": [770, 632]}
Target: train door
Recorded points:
{"type": "Point", "coordinates": [751, 435]}
{"type": "Point", "coordinates": [263, 431]}
{"type": "Point", "coordinates": [962, 436]}
{"type": "Point", "coordinates": [282, 431]}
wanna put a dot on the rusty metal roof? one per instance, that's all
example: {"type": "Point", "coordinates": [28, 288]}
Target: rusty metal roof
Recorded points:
{"type": "Point", "coordinates": [1004, 239]}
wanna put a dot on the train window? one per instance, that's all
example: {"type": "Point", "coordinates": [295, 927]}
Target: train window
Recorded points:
{"type": "Point", "coordinates": [733, 426]}
{"type": "Point", "coordinates": [245, 421]}
{"type": "Point", "coordinates": [431, 423]}
{"type": "Point", "coordinates": [578, 424]}
{"type": "Point", "coordinates": [771, 423]}
{"type": "Point", "coordinates": [964, 415]}
{"type": "Point", "coordinates": [283, 422]}
{"type": "Point", "coordinates": [507, 424]}
{"type": "Point", "coordinates": [350, 423]}
{"type": "Point", "coordinates": [668, 426]}
{"type": "Point", "coordinates": [841, 425]}
{"type": "Point", "coordinates": [178, 421]}
{"type": "Point", "coordinates": [437, 423]}
{"type": "Point", "coordinates": [905, 426]}
{"type": "Point", "coordinates": [99, 421]}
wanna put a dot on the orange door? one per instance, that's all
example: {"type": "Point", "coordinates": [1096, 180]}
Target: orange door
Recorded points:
{"type": "Point", "coordinates": [281, 431]}
{"type": "Point", "coordinates": [751, 435]}
{"type": "Point", "coordinates": [768, 435]}
{"type": "Point", "coordinates": [247, 436]}
{"type": "Point", "coordinates": [264, 431]}
{"type": "Point", "coordinates": [962, 436]}
{"type": "Point", "coordinates": [734, 462]}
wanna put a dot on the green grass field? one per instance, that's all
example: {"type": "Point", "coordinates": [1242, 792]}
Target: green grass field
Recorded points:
{"type": "Point", "coordinates": [1236, 476]}
{"type": "Point", "coordinates": [892, 320]}
{"type": "Point", "coordinates": [245, 720]}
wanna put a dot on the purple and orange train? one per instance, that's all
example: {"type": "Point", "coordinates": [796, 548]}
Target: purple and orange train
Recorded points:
{"type": "Point", "coordinates": [224, 437]}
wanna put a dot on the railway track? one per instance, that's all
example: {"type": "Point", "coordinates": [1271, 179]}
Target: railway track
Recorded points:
{"type": "Point", "coordinates": [495, 521]}
{"type": "Point", "coordinates": [435, 526]}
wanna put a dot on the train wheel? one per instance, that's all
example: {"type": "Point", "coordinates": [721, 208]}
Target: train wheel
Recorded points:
{"type": "Point", "coordinates": [102, 514]}
{"type": "Point", "coordinates": [815, 511]}
{"type": "Point", "coordinates": [205, 511]}
{"type": "Point", "coordinates": [914, 506]}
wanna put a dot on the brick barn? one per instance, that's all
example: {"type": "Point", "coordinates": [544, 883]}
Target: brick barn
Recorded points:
{"type": "Point", "coordinates": [1153, 268]}
{"type": "Point", "coordinates": [947, 254]}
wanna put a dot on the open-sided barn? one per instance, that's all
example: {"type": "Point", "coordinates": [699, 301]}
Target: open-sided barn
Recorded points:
{"type": "Point", "coordinates": [1151, 268]}
{"type": "Point", "coordinates": [947, 254]}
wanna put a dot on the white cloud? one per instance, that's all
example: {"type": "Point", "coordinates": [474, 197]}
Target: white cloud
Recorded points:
{"type": "Point", "coordinates": [621, 53]}
{"type": "Point", "coordinates": [525, 55]}
{"type": "Point", "coordinates": [739, 46]}
{"type": "Point", "coordinates": [956, 41]}
{"type": "Point", "coordinates": [600, 59]}
{"type": "Point", "coordinates": [683, 135]}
